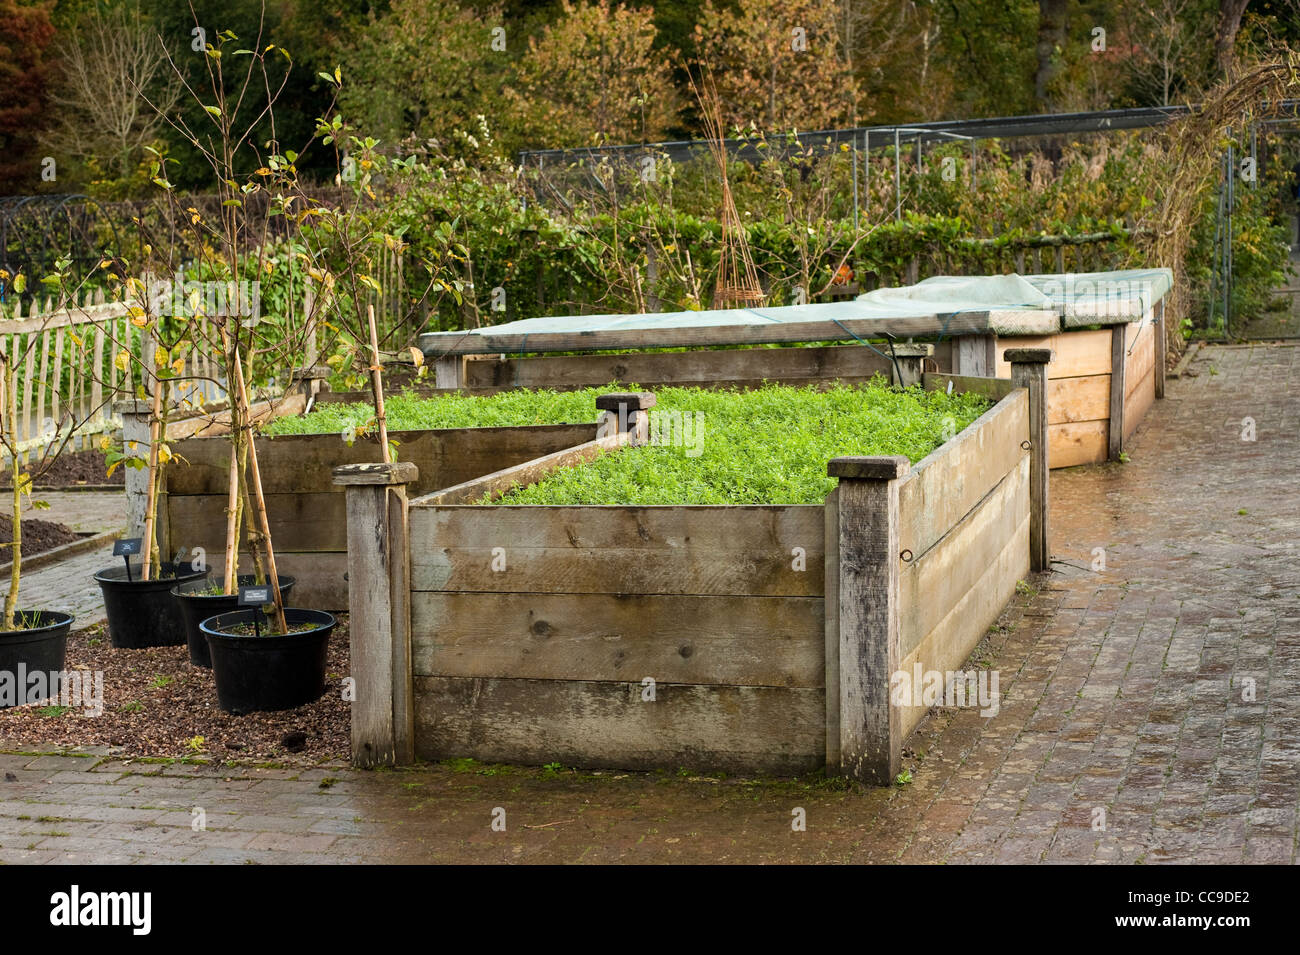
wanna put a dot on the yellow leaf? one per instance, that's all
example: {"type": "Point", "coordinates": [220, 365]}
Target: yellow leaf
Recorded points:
{"type": "Point", "coordinates": [122, 360]}
{"type": "Point", "coordinates": [160, 358]}
{"type": "Point", "coordinates": [20, 283]}
{"type": "Point", "coordinates": [417, 356]}
{"type": "Point", "coordinates": [178, 366]}
{"type": "Point", "coordinates": [164, 453]}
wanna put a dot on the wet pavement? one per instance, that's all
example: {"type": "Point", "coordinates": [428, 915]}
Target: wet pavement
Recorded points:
{"type": "Point", "coordinates": [1150, 712]}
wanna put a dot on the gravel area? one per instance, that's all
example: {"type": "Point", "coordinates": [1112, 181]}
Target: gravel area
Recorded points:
{"type": "Point", "coordinates": [157, 704]}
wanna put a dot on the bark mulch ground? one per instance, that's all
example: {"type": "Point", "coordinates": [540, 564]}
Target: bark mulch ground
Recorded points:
{"type": "Point", "coordinates": [38, 536]}
{"type": "Point", "coordinates": [73, 468]}
{"type": "Point", "coordinates": [156, 704]}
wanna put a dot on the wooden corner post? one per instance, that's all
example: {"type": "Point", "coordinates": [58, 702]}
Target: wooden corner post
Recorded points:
{"type": "Point", "coordinates": [135, 428]}
{"type": "Point", "coordinates": [1162, 345]}
{"type": "Point", "coordinates": [866, 588]}
{"type": "Point", "coordinates": [379, 608]}
{"type": "Point", "coordinates": [910, 363]}
{"type": "Point", "coordinates": [1115, 429]}
{"type": "Point", "coordinates": [1029, 370]}
{"type": "Point", "coordinates": [626, 411]}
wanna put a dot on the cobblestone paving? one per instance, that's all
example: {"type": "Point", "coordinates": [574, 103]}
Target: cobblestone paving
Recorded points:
{"type": "Point", "coordinates": [68, 586]}
{"type": "Point", "coordinates": [1151, 712]}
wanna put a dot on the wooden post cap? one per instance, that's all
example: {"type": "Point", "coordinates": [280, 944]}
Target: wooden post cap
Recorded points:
{"type": "Point", "coordinates": [399, 472]}
{"type": "Point", "coordinates": [1028, 356]}
{"type": "Point", "coordinates": [631, 400]}
{"type": "Point", "coordinates": [887, 467]}
{"type": "Point", "coordinates": [311, 373]}
{"type": "Point", "coordinates": [914, 350]}
{"type": "Point", "coordinates": [129, 406]}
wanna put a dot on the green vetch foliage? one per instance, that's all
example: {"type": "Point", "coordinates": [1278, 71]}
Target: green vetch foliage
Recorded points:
{"type": "Point", "coordinates": [767, 446]}
{"type": "Point", "coordinates": [410, 412]}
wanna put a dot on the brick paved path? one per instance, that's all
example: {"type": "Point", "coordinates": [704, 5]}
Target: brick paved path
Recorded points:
{"type": "Point", "coordinates": [67, 585]}
{"type": "Point", "coordinates": [1127, 703]}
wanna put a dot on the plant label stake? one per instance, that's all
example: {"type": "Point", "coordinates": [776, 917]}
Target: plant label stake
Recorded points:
{"type": "Point", "coordinates": [255, 597]}
{"type": "Point", "coordinates": [125, 548]}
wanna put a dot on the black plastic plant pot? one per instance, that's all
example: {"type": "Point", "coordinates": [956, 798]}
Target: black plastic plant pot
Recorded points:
{"type": "Point", "coordinates": [143, 613]}
{"type": "Point", "coordinates": [256, 674]}
{"type": "Point", "coordinates": [38, 647]}
{"type": "Point", "coordinates": [197, 607]}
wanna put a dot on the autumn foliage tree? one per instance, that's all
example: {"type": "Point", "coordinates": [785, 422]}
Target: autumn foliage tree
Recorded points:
{"type": "Point", "coordinates": [25, 33]}
{"type": "Point", "coordinates": [776, 63]}
{"type": "Point", "coordinates": [426, 68]}
{"type": "Point", "coordinates": [594, 75]}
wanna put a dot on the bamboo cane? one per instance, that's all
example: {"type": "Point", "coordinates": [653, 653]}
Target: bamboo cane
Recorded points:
{"type": "Point", "coordinates": [259, 501]}
{"type": "Point", "coordinates": [16, 555]}
{"type": "Point", "coordinates": [232, 516]}
{"type": "Point", "coordinates": [151, 503]}
{"type": "Point", "coordinates": [377, 385]}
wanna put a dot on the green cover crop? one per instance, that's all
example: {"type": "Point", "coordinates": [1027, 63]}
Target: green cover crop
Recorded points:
{"type": "Point", "coordinates": [768, 446]}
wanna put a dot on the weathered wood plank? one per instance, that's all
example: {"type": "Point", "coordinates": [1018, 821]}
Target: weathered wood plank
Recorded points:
{"type": "Point", "coordinates": [1077, 353]}
{"type": "Point", "coordinates": [1139, 362]}
{"type": "Point", "coordinates": [974, 355]}
{"type": "Point", "coordinates": [609, 725]}
{"type": "Point", "coordinates": [1016, 321]}
{"type": "Point", "coordinates": [494, 485]}
{"type": "Point", "coordinates": [831, 615]}
{"type": "Point", "coordinates": [949, 644]}
{"type": "Point", "coordinates": [933, 583]}
{"type": "Point", "coordinates": [1138, 401]}
{"type": "Point", "coordinates": [304, 521]}
{"type": "Point", "coordinates": [302, 462]}
{"type": "Point", "coordinates": [948, 483]}
{"type": "Point", "coordinates": [739, 641]}
{"type": "Point", "coordinates": [1077, 399]}
{"type": "Point", "coordinates": [992, 388]}
{"type": "Point", "coordinates": [74, 316]}
{"type": "Point", "coordinates": [218, 422]}
{"type": "Point", "coordinates": [678, 368]}
{"type": "Point", "coordinates": [632, 550]}
{"type": "Point", "coordinates": [1079, 442]}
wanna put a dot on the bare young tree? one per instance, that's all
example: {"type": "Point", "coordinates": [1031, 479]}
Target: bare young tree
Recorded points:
{"type": "Point", "coordinates": [110, 61]}
{"type": "Point", "coordinates": [1169, 41]}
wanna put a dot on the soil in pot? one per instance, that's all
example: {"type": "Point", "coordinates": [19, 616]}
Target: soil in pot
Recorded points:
{"type": "Point", "coordinates": [32, 657]}
{"type": "Point", "coordinates": [200, 599]}
{"type": "Point", "coordinates": [270, 672]}
{"type": "Point", "coordinates": [143, 613]}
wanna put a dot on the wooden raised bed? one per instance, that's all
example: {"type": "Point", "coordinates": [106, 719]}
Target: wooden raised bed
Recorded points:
{"type": "Point", "coordinates": [1109, 364]}
{"type": "Point", "coordinates": [529, 634]}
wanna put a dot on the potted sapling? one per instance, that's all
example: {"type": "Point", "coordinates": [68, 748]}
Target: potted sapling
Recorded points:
{"type": "Point", "coordinates": [33, 641]}
{"type": "Point", "coordinates": [138, 604]}
{"type": "Point", "coordinates": [264, 656]}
